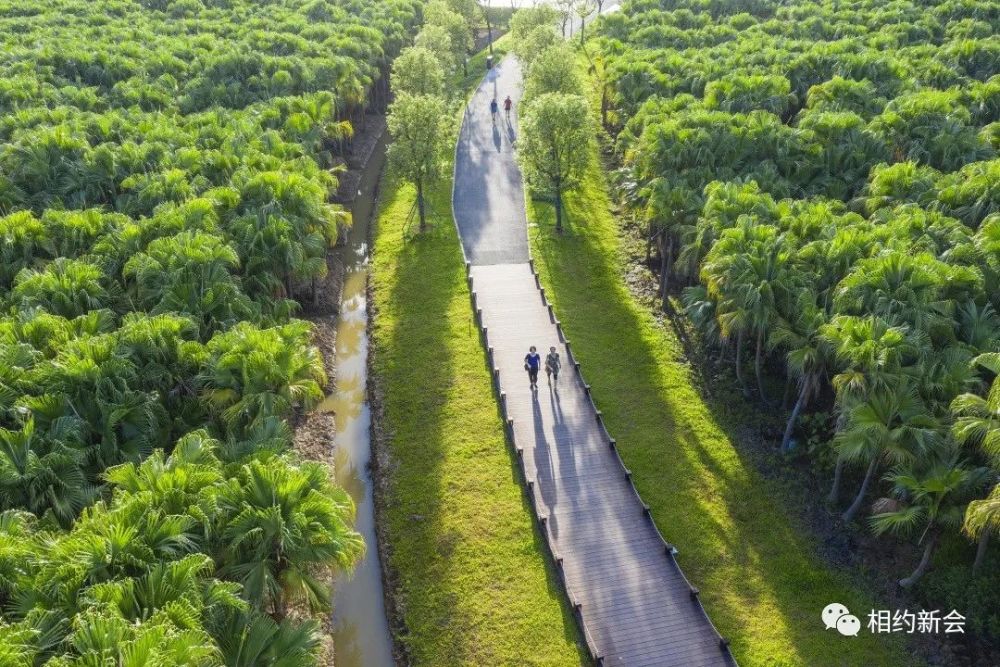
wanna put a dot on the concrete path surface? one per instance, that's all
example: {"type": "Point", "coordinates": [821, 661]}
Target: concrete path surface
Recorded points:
{"type": "Point", "coordinates": [488, 188]}
{"type": "Point", "coordinates": [628, 593]}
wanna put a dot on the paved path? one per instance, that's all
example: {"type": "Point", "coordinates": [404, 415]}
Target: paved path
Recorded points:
{"type": "Point", "coordinates": [630, 596]}
{"type": "Point", "coordinates": [488, 188]}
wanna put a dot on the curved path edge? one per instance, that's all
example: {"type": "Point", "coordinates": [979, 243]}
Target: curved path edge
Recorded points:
{"type": "Point", "coordinates": [630, 597]}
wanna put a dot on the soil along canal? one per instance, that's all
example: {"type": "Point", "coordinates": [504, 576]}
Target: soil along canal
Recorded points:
{"type": "Point", "coordinates": [360, 630]}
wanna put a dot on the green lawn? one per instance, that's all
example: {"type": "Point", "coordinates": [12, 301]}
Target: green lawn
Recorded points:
{"type": "Point", "coordinates": [760, 580]}
{"type": "Point", "coordinates": [474, 585]}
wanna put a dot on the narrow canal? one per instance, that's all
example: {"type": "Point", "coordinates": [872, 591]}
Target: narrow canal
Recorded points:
{"type": "Point", "coordinates": [361, 632]}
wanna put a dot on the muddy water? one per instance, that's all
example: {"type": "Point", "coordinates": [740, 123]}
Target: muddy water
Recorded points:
{"type": "Point", "coordinates": [361, 632]}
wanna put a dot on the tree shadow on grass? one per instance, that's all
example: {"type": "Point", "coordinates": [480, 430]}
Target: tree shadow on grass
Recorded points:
{"type": "Point", "coordinates": [471, 589]}
{"type": "Point", "coordinates": [760, 579]}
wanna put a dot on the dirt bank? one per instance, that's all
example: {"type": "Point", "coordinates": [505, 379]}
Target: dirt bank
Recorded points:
{"type": "Point", "coordinates": [382, 465]}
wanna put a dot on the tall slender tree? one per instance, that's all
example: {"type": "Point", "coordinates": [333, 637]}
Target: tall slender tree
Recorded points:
{"type": "Point", "coordinates": [419, 128]}
{"type": "Point", "coordinates": [555, 131]}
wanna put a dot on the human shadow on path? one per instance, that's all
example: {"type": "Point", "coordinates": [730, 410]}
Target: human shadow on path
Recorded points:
{"type": "Point", "coordinates": [565, 453]}
{"type": "Point", "coordinates": [544, 469]}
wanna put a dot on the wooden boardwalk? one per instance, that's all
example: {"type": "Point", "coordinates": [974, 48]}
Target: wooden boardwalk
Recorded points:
{"type": "Point", "coordinates": [633, 602]}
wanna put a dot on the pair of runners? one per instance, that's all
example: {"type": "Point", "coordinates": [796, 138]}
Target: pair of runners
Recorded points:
{"type": "Point", "coordinates": [494, 108]}
{"type": "Point", "coordinates": [533, 362]}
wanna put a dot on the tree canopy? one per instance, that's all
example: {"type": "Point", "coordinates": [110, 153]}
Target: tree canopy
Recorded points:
{"type": "Point", "coordinates": [822, 181]}
{"type": "Point", "coordinates": [420, 137]}
{"type": "Point", "coordinates": [166, 170]}
{"type": "Point", "coordinates": [554, 130]}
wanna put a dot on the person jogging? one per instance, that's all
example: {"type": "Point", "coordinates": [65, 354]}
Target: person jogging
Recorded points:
{"type": "Point", "coordinates": [553, 365]}
{"type": "Point", "coordinates": [532, 362]}
{"type": "Point", "coordinates": [493, 109]}
{"type": "Point", "coordinates": [507, 106]}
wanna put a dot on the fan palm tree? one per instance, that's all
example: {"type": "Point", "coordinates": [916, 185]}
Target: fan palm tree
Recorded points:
{"type": "Point", "coordinates": [283, 525]}
{"type": "Point", "coordinates": [766, 286]}
{"type": "Point", "coordinates": [944, 374]}
{"type": "Point", "coordinates": [870, 355]}
{"type": "Point", "coordinates": [809, 359]}
{"type": "Point", "coordinates": [669, 216]}
{"type": "Point", "coordinates": [977, 419]}
{"type": "Point", "coordinates": [66, 287]}
{"type": "Point", "coordinates": [253, 373]}
{"type": "Point", "coordinates": [982, 517]}
{"type": "Point", "coordinates": [734, 321]}
{"type": "Point", "coordinates": [313, 122]}
{"type": "Point", "coordinates": [73, 233]}
{"type": "Point", "coordinates": [977, 423]}
{"type": "Point", "coordinates": [44, 471]}
{"type": "Point", "coordinates": [929, 500]}
{"type": "Point", "coordinates": [700, 308]}
{"type": "Point", "coordinates": [977, 326]}
{"type": "Point", "coordinates": [748, 271]}
{"type": "Point", "coordinates": [163, 349]}
{"type": "Point", "coordinates": [119, 641]}
{"type": "Point", "coordinates": [988, 251]}
{"type": "Point", "coordinates": [250, 639]}
{"type": "Point", "coordinates": [176, 484]}
{"type": "Point", "coordinates": [17, 548]}
{"type": "Point", "coordinates": [284, 228]}
{"type": "Point", "coordinates": [191, 274]}
{"type": "Point", "coordinates": [24, 243]}
{"type": "Point", "coordinates": [891, 425]}
{"type": "Point", "coordinates": [902, 289]}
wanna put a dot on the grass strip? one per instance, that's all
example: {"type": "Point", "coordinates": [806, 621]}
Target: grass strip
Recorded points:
{"type": "Point", "coordinates": [473, 585]}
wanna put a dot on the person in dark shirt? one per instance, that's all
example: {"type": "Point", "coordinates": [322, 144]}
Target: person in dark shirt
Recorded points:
{"type": "Point", "coordinates": [493, 109]}
{"type": "Point", "coordinates": [532, 362]}
{"type": "Point", "coordinates": [552, 365]}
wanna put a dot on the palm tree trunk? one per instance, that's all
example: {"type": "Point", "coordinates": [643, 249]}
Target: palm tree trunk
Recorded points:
{"type": "Point", "coordinates": [663, 276]}
{"type": "Point", "coordinates": [925, 562]}
{"type": "Point", "coordinates": [666, 259]}
{"type": "Point", "coordinates": [791, 420]}
{"type": "Point", "coordinates": [981, 549]}
{"type": "Point", "coordinates": [280, 611]}
{"type": "Point", "coordinates": [860, 498]}
{"type": "Point", "coordinates": [789, 391]}
{"type": "Point", "coordinates": [838, 472]}
{"type": "Point", "coordinates": [670, 255]}
{"type": "Point", "coordinates": [739, 363]}
{"type": "Point", "coordinates": [757, 361]}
